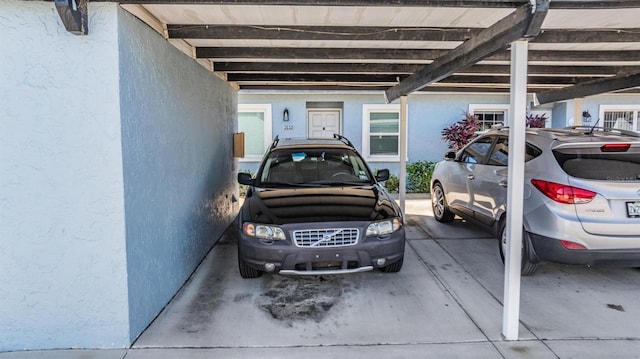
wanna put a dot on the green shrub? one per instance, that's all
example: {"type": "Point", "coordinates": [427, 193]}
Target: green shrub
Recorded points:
{"type": "Point", "coordinates": [392, 184]}
{"type": "Point", "coordinates": [419, 176]}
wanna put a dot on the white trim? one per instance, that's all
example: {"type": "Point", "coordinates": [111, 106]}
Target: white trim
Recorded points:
{"type": "Point", "coordinates": [368, 108]}
{"type": "Point", "coordinates": [268, 127]}
{"type": "Point", "coordinates": [615, 108]}
{"type": "Point", "coordinates": [363, 92]}
{"type": "Point", "coordinates": [492, 107]}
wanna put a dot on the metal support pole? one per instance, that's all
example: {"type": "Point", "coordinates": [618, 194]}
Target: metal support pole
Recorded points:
{"type": "Point", "coordinates": [513, 259]}
{"type": "Point", "coordinates": [402, 183]}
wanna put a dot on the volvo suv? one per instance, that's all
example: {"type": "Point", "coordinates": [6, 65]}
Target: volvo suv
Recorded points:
{"type": "Point", "coordinates": [581, 194]}
{"type": "Point", "coordinates": [314, 207]}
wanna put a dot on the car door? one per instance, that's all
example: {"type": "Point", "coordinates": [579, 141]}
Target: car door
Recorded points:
{"type": "Point", "coordinates": [489, 183]}
{"type": "Point", "coordinates": [461, 186]}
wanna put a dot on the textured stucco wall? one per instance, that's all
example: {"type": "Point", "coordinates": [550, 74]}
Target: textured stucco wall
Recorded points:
{"type": "Point", "coordinates": [62, 232]}
{"type": "Point", "coordinates": [178, 121]}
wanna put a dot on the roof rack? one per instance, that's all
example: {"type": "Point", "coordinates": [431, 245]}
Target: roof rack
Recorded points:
{"type": "Point", "coordinates": [590, 129]}
{"type": "Point", "coordinates": [274, 143]}
{"type": "Point", "coordinates": [343, 140]}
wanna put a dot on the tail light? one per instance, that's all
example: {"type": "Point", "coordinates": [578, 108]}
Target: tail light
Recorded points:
{"type": "Point", "coordinates": [563, 193]}
{"type": "Point", "coordinates": [615, 147]}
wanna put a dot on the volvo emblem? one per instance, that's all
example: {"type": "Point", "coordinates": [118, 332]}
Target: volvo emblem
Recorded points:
{"type": "Point", "coordinates": [325, 238]}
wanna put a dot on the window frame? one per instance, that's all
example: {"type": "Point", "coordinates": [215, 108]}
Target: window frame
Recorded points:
{"type": "Point", "coordinates": [266, 109]}
{"type": "Point", "coordinates": [621, 108]}
{"type": "Point", "coordinates": [492, 107]}
{"type": "Point", "coordinates": [367, 109]}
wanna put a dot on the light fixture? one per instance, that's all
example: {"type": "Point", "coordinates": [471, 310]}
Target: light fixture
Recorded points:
{"type": "Point", "coordinates": [285, 115]}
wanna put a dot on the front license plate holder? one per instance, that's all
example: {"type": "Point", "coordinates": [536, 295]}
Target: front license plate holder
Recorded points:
{"type": "Point", "coordinates": [633, 209]}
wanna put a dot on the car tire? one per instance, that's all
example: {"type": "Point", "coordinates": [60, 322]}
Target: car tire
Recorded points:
{"type": "Point", "coordinates": [246, 271]}
{"type": "Point", "coordinates": [393, 267]}
{"type": "Point", "coordinates": [439, 204]}
{"type": "Point", "coordinates": [527, 268]}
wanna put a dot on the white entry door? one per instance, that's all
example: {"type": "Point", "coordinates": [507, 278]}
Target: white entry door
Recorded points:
{"type": "Point", "coordinates": [323, 123]}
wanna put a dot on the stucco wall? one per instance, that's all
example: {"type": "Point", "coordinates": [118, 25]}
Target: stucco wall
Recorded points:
{"type": "Point", "coordinates": [116, 175]}
{"type": "Point", "coordinates": [178, 121]}
{"type": "Point", "coordinates": [62, 231]}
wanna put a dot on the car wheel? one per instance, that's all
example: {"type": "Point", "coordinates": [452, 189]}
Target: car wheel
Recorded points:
{"type": "Point", "coordinates": [527, 268]}
{"type": "Point", "coordinates": [393, 267]}
{"type": "Point", "coordinates": [439, 204]}
{"type": "Point", "coordinates": [246, 271]}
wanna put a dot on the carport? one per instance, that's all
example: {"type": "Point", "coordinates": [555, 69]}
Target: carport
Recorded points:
{"type": "Point", "coordinates": [557, 50]}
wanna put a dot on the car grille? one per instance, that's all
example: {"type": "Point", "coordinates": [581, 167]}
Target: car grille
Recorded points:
{"type": "Point", "coordinates": [335, 237]}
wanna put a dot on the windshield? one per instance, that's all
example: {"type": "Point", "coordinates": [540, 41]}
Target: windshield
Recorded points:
{"type": "Point", "coordinates": [310, 167]}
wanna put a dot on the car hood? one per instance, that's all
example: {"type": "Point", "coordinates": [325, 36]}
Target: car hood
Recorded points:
{"type": "Point", "coordinates": [296, 205]}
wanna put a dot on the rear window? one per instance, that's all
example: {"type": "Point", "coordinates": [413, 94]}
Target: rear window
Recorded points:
{"type": "Point", "coordinates": [596, 165]}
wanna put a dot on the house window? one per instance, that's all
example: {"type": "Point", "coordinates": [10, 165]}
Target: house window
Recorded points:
{"type": "Point", "coordinates": [255, 122]}
{"type": "Point", "coordinates": [490, 115]}
{"type": "Point", "coordinates": [620, 117]}
{"type": "Point", "coordinates": [381, 132]}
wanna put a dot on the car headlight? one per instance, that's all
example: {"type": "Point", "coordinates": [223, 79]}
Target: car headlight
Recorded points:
{"type": "Point", "coordinates": [272, 233]}
{"type": "Point", "coordinates": [384, 227]}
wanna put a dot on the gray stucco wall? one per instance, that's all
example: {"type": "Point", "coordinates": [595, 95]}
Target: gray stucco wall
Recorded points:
{"type": "Point", "coordinates": [116, 175]}
{"type": "Point", "coordinates": [178, 121]}
{"type": "Point", "coordinates": [62, 231]}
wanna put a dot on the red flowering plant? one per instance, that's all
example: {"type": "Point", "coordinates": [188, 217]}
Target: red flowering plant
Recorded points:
{"type": "Point", "coordinates": [458, 134]}
{"type": "Point", "coordinates": [536, 121]}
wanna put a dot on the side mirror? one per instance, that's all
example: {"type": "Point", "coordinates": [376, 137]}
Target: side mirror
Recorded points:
{"type": "Point", "coordinates": [245, 178]}
{"type": "Point", "coordinates": [382, 175]}
{"type": "Point", "coordinates": [450, 156]}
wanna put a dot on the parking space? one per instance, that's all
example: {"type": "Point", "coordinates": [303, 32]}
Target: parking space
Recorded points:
{"type": "Point", "coordinates": [446, 302]}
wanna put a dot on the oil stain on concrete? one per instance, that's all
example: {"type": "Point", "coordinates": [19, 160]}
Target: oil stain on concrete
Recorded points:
{"type": "Point", "coordinates": [293, 299]}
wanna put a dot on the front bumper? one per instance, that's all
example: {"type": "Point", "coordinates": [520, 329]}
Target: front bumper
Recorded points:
{"type": "Point", "coordinates": [286, 257]}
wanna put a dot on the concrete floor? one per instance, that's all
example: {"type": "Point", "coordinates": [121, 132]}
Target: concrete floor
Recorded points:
{"type": "Point", "coordinates": [445, 303]}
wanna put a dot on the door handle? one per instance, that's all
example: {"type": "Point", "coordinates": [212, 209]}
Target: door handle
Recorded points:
{"type": "Point", "coordinates": [502, 183]}
{"type": "Point", "coordinates": [470, 177]}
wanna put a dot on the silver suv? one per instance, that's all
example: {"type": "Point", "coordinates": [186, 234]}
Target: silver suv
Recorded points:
{"type": "Point", "coordinates": [581, 194]}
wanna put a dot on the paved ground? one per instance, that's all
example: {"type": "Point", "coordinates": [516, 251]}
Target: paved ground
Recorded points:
{"type": "Point", "coordinates": [445, 303]}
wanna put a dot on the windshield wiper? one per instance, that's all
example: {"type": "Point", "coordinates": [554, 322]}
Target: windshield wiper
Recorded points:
{"type": "Point", "coordinates": [289, 184]}
{"type": "Point", "coordinates": [343, 183]}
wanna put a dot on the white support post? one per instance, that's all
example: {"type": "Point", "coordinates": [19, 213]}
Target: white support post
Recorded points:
{"type": "Point", "coordinates": [513, 260]}
{"type": "Point", "coordinates": [402, 183]}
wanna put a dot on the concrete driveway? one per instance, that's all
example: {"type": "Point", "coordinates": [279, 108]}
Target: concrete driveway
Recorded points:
{"type": "Point", "coordinates": [445, 303]}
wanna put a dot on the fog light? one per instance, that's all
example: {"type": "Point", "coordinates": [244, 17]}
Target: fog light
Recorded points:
{"type": "Point", "coordinates": [269, 267]}
{"type": "Point", "coordinates": [381, 261]}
